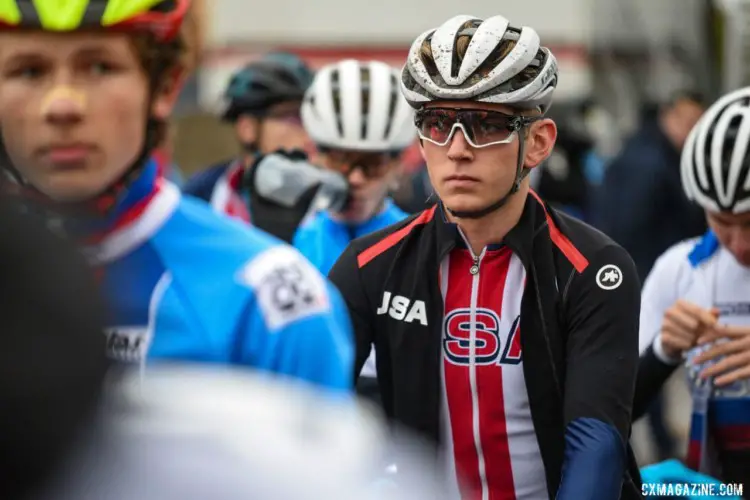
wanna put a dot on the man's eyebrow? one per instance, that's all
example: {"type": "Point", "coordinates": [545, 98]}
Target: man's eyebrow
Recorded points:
{"type": "Point", "coordinates": [92, 50]}
{"type": "Point", "coordinates": [21, 56]}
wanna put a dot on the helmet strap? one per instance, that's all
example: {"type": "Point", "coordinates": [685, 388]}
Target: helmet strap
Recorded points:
{"type": "Point", "coordinates": [521, 173]}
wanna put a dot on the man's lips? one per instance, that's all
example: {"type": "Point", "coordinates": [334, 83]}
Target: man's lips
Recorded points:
{"type": "Point", "coordinates": [66, 154]}
{"type": "Point", "coordinates": [461, 179]}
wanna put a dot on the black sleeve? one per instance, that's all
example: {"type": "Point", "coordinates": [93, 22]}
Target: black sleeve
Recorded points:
{"type": "Point", "coordinates": [345, 275]}
{"type": "Point", "coordinates": [602, 309]}
{"type": "Point", "coordinates": [652, 375]}
{"type": "Point", "coordinates": [602, 347]}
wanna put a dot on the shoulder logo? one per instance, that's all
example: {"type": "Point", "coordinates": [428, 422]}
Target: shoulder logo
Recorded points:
{"type": "Point", "coordinates": [287, 287]}
{"type": "Point", "coordinates": [609, 277]}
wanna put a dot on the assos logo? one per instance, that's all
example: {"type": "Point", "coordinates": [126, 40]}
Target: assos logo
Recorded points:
{"type": "Point", "coordinates": [490, 347]}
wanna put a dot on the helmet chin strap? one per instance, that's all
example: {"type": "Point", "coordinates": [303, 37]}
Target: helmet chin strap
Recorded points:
{"type": "Point", "coordinates": [521, 173]}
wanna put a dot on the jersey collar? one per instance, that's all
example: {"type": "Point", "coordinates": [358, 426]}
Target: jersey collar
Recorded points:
{"type": "Point", "coordinates": [519, 238]}
{"type": "Point", "coordinates": [226, 197]}
{"type": "Point", "coordinates": [705, 247]}
{"type": "Point", "coordinates": [150, 201]}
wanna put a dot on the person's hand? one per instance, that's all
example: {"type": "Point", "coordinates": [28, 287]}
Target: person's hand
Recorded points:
{"type": "Point", "coordinates": [683, 324]}
{"type": "Point", "coordinates": [735, 348]}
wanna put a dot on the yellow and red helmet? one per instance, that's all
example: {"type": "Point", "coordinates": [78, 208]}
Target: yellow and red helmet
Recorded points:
{"type": "Point", "coordinates": [162, 18]}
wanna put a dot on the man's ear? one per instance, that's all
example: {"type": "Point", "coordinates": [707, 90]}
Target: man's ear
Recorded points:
{"type": "Point", "coordinates": [540, 139]}
{"type": "Point", "coordinates": [421, 149]}
{"type": "Point", "coordinates": [167, 94]}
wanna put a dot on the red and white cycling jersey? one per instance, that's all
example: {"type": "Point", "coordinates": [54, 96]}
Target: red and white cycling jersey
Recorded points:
{"type": "Point", "coordinates": [492, 451]}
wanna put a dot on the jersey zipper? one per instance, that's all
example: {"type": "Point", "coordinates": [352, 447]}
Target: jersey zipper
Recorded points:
{"type": "Point", "coordinates": [474, 271]}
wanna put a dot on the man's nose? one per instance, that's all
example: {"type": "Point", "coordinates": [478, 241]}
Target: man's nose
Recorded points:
{"type": "Point", "coordinates": [459, 148]}
{"type": "Point", "coordinates": [356, 176]}
{"type": "Point", "coordinates": [63, 105]}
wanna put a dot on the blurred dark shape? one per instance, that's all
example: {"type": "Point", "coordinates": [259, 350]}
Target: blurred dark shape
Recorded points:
{"type": "Point", "coordinates": [52, 363]}
{"type": "Point", "coordinates": [415, 192]}
{"type": "Point", "coordinates": [562, 180]}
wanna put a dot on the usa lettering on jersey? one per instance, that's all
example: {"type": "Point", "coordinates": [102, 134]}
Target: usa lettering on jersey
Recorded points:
{"type": "Point", "coordinates": [286, 286]}
{"type": "Point", "coordinates": [491, 346]}
{"type": "Point", "coordinates": [401, 308]}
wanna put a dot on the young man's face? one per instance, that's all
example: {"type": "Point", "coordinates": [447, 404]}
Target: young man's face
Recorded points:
{"type": "Point", "coordinates": [470, 179]}
{"type": "Point", "coordinates": [73, 109]}
{"type": "Point", "coordinates": [370, 176]}
{"type": "Point", "coordinates": [280, 128]}
{"type": "Point", "coordinates": [733, 232]}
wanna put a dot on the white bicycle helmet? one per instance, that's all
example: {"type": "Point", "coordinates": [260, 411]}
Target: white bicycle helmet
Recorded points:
{"type": "Point", "coordinates": [357, 106]}
{"type": "Point", "coordinates": [715, 163]}
{"type": "Point", "coordinates": [468, 58]}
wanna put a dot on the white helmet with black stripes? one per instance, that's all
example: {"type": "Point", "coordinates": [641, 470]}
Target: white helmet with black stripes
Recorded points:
{"type": "Point", "coordinates": [355, 105]}
{"type": "Point", "coordinates": [468, 58]}
{"type": "Point", "coordinates": [715, 165]}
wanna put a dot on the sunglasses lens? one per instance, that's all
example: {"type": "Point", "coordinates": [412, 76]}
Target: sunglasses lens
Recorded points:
{"type": "Point", "coordinates": [483, 127]}
{"type": "Point", "coordinates": [491, 129]}
{"type": "Point", "coordinates": [436, 125]}
{"type": "Point", "coordinates": [372, 165]}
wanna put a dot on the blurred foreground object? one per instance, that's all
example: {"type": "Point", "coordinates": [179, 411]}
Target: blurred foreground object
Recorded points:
{"type": "Point", "coordinates": [52, 363]}
{"type": "Point", "coordinates": [284, 188]}
{"type": "Point", "coordinates": [190, 433]}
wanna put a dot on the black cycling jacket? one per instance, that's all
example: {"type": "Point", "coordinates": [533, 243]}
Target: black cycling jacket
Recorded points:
{"type": "Point", "coordinates": [579, 341]}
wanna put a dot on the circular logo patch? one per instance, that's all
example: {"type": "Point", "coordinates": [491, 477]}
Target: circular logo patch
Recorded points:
{"type": "Point", "coordinates": [609, 277]}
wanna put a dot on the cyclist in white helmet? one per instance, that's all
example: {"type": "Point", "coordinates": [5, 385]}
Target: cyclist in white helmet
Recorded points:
{"type": "Point", "coordinates": [696, 300]}
{"type": "Point", "coordinates": [361, 124]}
{"type": "Point", "coordinates": [505, 331]}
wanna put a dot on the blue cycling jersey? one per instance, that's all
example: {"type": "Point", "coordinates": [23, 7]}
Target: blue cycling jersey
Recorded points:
{"type": "Point", "coordinates": [203, 184]}
{"type": "Point", "coordinates": [189, 284]}
{"type": "Point", "coordinates": [323, 239]}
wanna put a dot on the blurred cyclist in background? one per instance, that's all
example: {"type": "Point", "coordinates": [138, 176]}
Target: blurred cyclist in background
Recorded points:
{"type": "Point", "coordinates": [263, 102]}
{"type": "Point", "coordinates": [360, 123]}
{"type": "Point", "coordinates": [696, 301]}
{"type": "Point", "coordinates": [85, 92]}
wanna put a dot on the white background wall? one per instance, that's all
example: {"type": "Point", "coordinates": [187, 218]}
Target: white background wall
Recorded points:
{"type": "Point", "coordinates": [384, 21]}
{"type": "Point", "coordinates": [241, 29]}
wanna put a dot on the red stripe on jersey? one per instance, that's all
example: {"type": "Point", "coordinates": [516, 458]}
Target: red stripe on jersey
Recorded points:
{"type": "Point", "coordinates": [457, 383]}
{"type": "Point", "coordinates": [561, 241]}
{"type": "Point", "coordinates": [733, 437]}
{"type": "Point", "coordinates": [491, 445]}
{"type": "Point", "coordinates": [235, 206]}
{"type": "Point", "coordinates": [392, 239]}
{"type": "Point", "coordinates": [492, 425]}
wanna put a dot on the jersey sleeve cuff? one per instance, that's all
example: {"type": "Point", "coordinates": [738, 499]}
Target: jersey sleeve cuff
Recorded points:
{"type": "Point", "coordinates": [663, 356]}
